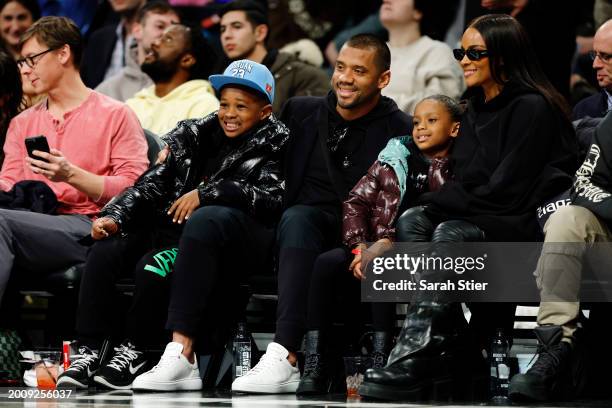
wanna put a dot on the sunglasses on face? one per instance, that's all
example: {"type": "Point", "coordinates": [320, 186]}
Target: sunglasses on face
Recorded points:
{"type": "Point", "coordinates": [472, 54]}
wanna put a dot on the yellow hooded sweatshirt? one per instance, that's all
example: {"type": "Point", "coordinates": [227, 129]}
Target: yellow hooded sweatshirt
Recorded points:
{"type": "Point", "coordinates": [193, 99]}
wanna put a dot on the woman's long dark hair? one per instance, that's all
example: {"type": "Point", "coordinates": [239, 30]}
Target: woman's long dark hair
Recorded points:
{"type": "Point", "coordinates": [512, 57]}
{"type": "Point", "coordinates": [31, 5]}
{"type": "Point", "coordinates": [10, 92]}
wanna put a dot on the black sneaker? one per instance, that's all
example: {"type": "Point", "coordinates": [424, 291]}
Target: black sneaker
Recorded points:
{"type": "Point", "coordinates": [120, 371]}
{"type": "Point", "coordinates": [316, 379]}
{"type": "Point", "coordinates": [81, 369]}
{"type": "Point", "coordinates": [553, 375]}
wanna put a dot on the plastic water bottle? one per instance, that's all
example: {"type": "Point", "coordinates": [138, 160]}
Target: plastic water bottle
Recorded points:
{"type": "Point", "coordinates": [242, 349]}
{"type": "Point", "coordinates": [500, 368]}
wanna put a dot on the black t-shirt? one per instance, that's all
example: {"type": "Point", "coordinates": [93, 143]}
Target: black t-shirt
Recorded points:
{"type": "Point", "coordinates": [346, 143]}
{"type": "Point", "coordinates": [317, 188]}
{"type": "Point", "coordinates": [346, 149]}
{"type": "Point", "coordinates": [343, 142]}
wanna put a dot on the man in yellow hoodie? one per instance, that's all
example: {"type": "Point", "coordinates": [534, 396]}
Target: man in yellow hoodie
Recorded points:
{"type": "Point", "coordinates": [177, 63]}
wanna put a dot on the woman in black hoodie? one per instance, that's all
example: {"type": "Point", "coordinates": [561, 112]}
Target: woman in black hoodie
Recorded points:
{"type": "Point", "coordinates": [515, 149]}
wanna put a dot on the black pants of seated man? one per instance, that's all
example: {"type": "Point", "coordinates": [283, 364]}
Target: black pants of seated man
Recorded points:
{"type": "Point", "coordinates": [415, 225]}
{"type": "Point", "coordinates": [331, 279]}
{"type": "Point", "coordinates": [304, 232]}
{"type": "Point", "coordinates": [217, 248]}
{"type": "Point", "coordinates": [101, 312]}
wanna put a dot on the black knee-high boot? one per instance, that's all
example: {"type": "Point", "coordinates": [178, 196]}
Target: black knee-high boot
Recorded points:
{"type": "Point", "coordinates": [427, 356]}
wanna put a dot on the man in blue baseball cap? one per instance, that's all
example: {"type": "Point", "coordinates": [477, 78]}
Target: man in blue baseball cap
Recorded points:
{"type": "Point", "coordinates": [216, 198]}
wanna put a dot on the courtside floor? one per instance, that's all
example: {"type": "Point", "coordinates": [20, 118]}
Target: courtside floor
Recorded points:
{"type": "Point", "coordinates": [121, 399]}
{"type": "Point", "coordinates": [523, 349]}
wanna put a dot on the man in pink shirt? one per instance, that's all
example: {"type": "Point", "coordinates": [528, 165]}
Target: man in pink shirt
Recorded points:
{"type": "Point", "coordinates": [97, 148]}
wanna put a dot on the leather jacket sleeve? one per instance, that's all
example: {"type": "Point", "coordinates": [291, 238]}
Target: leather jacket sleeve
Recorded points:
{"type": "Point", "coordinates": [160, 184]}
{"type": "Point", "coordinates": [146, 194]}
{"type": "Point", "coordinates": [380, 182]}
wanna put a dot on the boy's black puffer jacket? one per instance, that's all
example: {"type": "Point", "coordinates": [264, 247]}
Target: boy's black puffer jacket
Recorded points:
{"type": "Point", "coordinates": [249, 177]}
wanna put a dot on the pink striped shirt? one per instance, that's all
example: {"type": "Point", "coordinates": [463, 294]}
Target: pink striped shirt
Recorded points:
{"type": "Point", "coordinates": [101, 135]}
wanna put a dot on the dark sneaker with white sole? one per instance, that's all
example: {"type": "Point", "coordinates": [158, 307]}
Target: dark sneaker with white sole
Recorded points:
{"type": "Point", "coordinates": [120, 371]}
{"type": "Point", "coordinates": [81, 370]}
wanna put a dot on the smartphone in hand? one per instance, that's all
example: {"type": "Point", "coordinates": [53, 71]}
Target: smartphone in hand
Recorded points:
{"type": "Point", "coordinates": [37, 143]}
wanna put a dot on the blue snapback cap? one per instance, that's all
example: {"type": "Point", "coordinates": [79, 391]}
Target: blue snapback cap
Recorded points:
{"type": "Point", "coordinates": [246, 73]}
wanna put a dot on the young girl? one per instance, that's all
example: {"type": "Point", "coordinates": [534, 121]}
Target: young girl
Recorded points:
{"type": "Point", "coordinates": [407, 167]}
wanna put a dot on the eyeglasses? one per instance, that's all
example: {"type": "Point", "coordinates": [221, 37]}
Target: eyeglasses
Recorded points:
{"type": "Point", "coordinates": [605, 58]}
{"type": "Point", "coordinates": [472, 54]}
{"type": "Point", "coordinates": [32, 60]}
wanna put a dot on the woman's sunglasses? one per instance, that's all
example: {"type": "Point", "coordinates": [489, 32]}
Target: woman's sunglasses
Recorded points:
{"type": "Point", "coordinates": [472, 54]}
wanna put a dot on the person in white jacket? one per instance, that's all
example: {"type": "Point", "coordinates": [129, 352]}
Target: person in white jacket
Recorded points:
{"type": "Point", "coordinates": [421, 66]}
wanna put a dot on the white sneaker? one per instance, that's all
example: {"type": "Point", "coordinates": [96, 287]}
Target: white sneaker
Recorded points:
{"type": "Point", "coordinates": [29, 378]}
{"type": "Point", "coordinates": [272, 375]}
{"type": "Point", "coordinates": [173, 373]}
